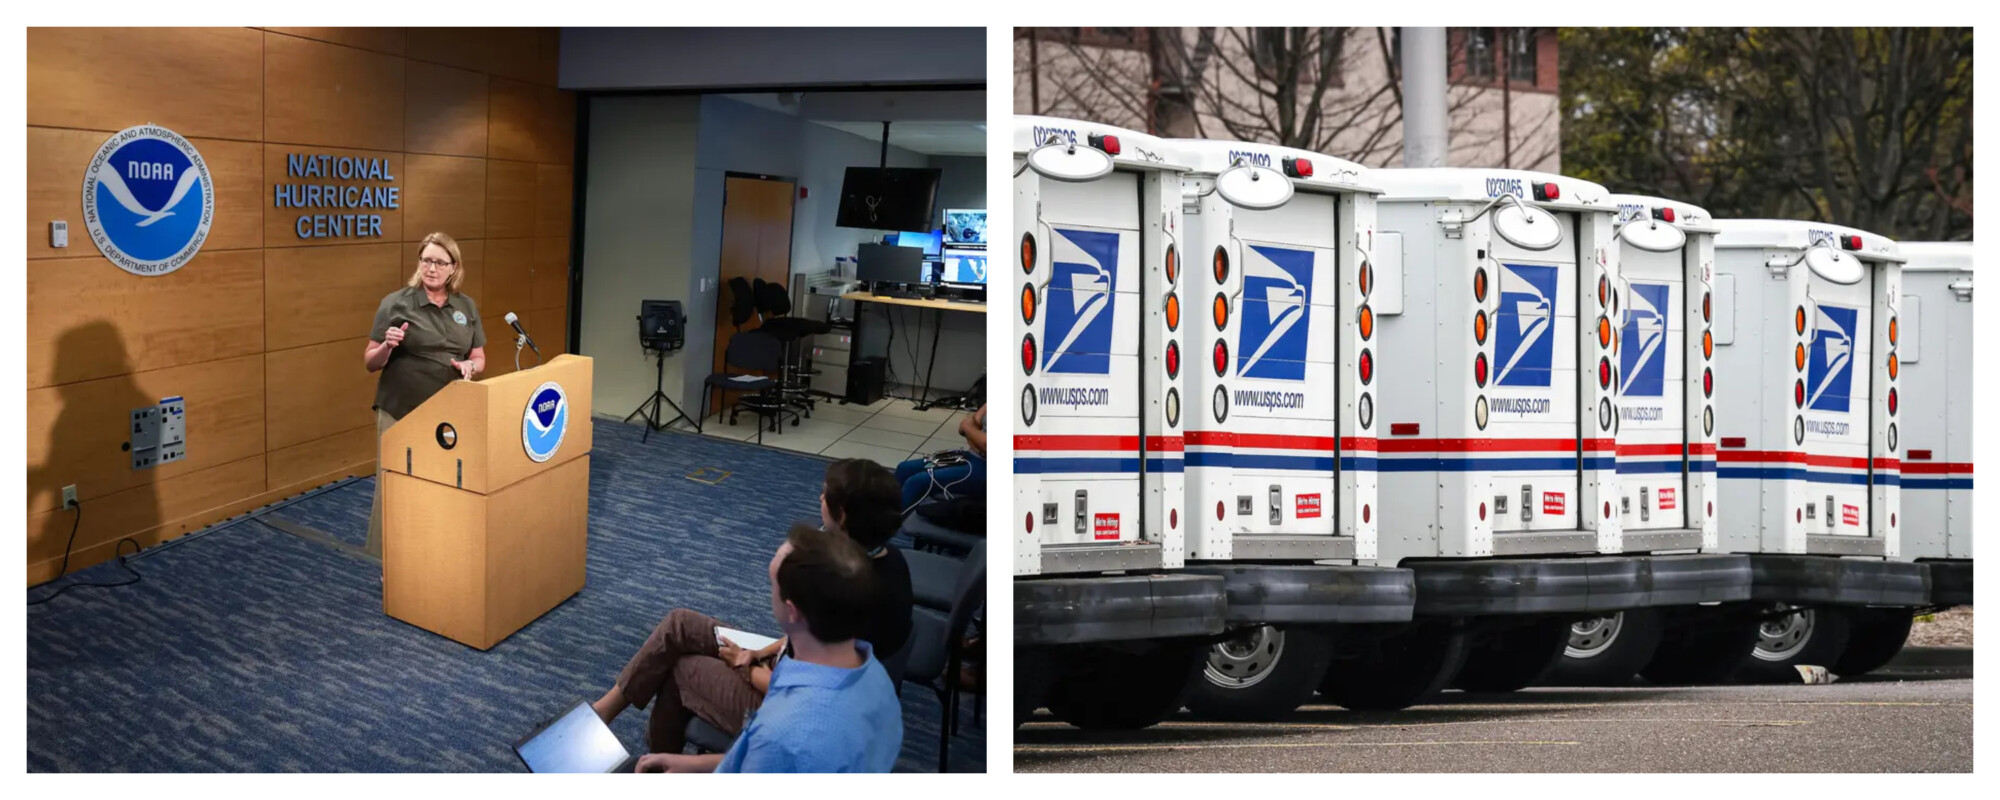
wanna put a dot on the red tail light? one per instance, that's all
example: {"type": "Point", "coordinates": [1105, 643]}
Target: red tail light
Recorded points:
{"type": "Point", "coordinates": [1028, 355]}
{"type": "Point", "coordinates": [1479, 370]}
{"type": "Point", "coordinates": [1850, 242]}
{"type": "Point", "coordinates": [1367, 367]}
{"type": "Point", "coordinates": [1298, 168]}
{"type": "Point", "coordinates": [1892, 401]}
{"type": "Point", "coordinates": [1221, 358]}
{"type": "Point", "coordinates": [1707, 383]}
{"type": "Point", "coordinates": [1604, 372]}
{"type": "Point", "coordinates": [1173, 360]}
{"type": "Point", "coordinates": [1663, 214]}
{"type": "Point", "coordinates": [1548, 191]}
{"type": "Point", "coordinates": [1108, 144]}
{"type": "Point", "coordinates": [1799, 393]}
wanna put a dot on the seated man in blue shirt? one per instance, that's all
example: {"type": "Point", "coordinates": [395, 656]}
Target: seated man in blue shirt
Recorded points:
{"type": "Point", "coordinates": [831, 707]}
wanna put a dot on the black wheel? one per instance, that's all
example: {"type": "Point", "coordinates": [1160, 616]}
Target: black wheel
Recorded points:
{"type": "Point", "coordinates": [1700, 645]}
{"type": "Point", "coordinates": [1874, 636]}
{"type": "Point", "coordinates": [1101, 688]}
{"type": "Point", "coordinates": [732, 420]}
{"type": "Point", "coordinates": [1608, 651]}
{"type": "Point", "coordinates": [1515, 658]}
{"type": "Point", "coordinates": [1031, 682]}
{"type": "Point", "coordinates": [1262, 674]}
{"type": "Point", "coordinates": [1815, 636]}
{"type": "Point", "coordinates": [1400, 671]}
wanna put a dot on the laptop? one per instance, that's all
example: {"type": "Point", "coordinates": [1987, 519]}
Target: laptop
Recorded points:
{"type": "Point", "coordinates": [575, 741]}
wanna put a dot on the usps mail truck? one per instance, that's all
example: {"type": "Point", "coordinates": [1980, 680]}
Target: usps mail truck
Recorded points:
{"type": "Point", "coordinates": [1664, 429]}
{"type": "Point", "coordinates": [1502, 307]}
{"type": "Point", "coordinates": [1936, 363]}
{"type": "Point", "coordinates": [1809, 335]}
{"type": "Point", "coordinates": [1108, 628]}
{"type": "Point", "coordinates": [1279, 392]}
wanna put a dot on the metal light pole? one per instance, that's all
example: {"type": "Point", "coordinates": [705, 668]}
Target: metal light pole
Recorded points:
{"type": "Point", "coordinates": [1426, 137]}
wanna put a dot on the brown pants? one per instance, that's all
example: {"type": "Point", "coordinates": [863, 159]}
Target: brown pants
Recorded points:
{"type": "Point", "coordinates": [382, 423]}
{"type": "Point", "coordinates": [678, 667]}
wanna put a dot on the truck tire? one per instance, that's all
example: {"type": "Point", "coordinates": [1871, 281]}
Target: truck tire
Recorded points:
{"type": "Point", "coordinates": [1608, 651]}
{"type": "Point", "coordinates": [1874, 636]}
{"type": "Point", "coordinates": [1699, 646]}
{"type": "Point", "coordinates": [1515, 658]}
{"type": "Point", "coordinates": [1815, 636]}
{"type": "Point", "coordinates": [1031, 682]}
{"type": "Point", "coordinates": [1261, 674]}
{"type": "Point", "coordinates": [1404, 669]}
{"type": "Point", "coordinates": [1107, 689]}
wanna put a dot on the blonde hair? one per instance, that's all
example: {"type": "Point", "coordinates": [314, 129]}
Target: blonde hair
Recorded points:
{"type": "Point", "coordinates": [450, 246]}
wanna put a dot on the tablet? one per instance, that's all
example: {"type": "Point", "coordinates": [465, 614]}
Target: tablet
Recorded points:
{"type": "Point", "coordinates": [574, 741]}
{"type": "Point", "coordinates": [743, 639]}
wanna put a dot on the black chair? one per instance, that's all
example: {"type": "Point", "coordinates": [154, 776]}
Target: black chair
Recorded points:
{"type": "Point", "coordinates": [742, 302]}
{"type": "Point", "coordinates": [751, 351]}
{"type": "Point", "coordinates": [933, 579]}
{"type": "Point", "coordinates": [707, 738]}
{"type": "Point", "coordinates": [937, 643]}
{"type": "Point", "coordinates": [774, 304]}
{"type": "Point", "coordinates": [929, 534]}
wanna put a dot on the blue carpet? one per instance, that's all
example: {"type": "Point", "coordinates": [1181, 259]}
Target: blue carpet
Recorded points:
{"type": "Point", "coordinates": [254, 650]}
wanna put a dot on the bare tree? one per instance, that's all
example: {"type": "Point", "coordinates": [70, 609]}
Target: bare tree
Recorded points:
{"type": "Point", "coordinates": [1328, 90]}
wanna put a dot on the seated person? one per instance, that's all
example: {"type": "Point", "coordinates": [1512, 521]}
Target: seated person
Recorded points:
{"type": "Point", "coordinates": [831, 706]}
{"type": "Point", "coordinates": [684, 668]}
{"type": "Point", "coordinates": [921, 481]}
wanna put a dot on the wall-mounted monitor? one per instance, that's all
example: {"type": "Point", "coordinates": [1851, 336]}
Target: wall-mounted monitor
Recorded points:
{"type": "Point", "coordinates": [889, 199]}
{"type": "Point", "coordinates": [965, 226]}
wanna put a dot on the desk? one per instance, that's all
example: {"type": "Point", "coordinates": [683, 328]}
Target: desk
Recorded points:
{"type": "Point", "coordinates": [940, 306]}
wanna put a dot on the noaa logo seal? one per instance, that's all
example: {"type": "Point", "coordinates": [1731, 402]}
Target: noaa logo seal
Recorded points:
{"type": "Point", "coordinates": [148, 200]}
{"type": "Point", "coordinates": [458, 317]}
{"type": "Point", "coordinates": [544, 421]}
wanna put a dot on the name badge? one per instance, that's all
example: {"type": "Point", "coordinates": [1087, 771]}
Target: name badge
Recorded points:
{"type": "Point", "coordinates": [458, 316]}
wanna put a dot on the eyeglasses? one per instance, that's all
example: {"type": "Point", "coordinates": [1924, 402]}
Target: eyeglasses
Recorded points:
{"type": "Point", "coordinates": [432, 262]}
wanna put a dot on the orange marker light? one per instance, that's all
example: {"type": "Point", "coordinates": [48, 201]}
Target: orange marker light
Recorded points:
{"type": "Point", "coordinates": [1173, 264]}
{"type": "Point", "coordinates": [1479, 285]}
{"type": "Point", "coordinates": [1707, 345]}
{"type": "Point", "coordinates": [1479, 327]}
{"type": "Point", "coordinates": [1893, 361]}
{"type": "Point", "coordinates": [1028, 253]}
{"type": "Point", "coordinates": [1221, 264]}
{"type": "Point", "coordinates": [1799, 357]}
{"type": "Point", "coordinates": [1028, 303]}
{"type": "Point", "coordinates": [1799, 320]}
{"type": "Point", "coordinates": [1367, 322]}
{"type": "Point", "coordinates": [1604, 332]}
{"type": "Point", "coordinates": [1173, 312]}
{"type": "Point", "coordinates": [1892, 330]}
{"type": "Point", "coordinates": [1221, 311]}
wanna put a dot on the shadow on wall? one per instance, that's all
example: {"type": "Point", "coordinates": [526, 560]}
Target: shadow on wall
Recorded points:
{"type": "Point", "coordinates": [76, 446]}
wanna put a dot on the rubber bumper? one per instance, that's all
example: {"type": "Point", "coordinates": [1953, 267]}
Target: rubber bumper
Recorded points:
{"type": "Point", "coordinates": [1566, 585]}
{"type": "Point", "coordinates": [1951, 582]}
{"type": "Point", "coordinates": [1801, 580]}
{"type": "Point", "coordinates": [1310, 593]}
{"type": "Point", "coordinates": [1117, 608]}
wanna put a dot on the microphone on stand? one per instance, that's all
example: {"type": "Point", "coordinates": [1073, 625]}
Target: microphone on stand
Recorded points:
{"type": "Point", "coordinates": [515, 322]}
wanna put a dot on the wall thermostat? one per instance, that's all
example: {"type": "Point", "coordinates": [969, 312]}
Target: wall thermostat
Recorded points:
{"type": "Point", "coordinates": [59, 233]}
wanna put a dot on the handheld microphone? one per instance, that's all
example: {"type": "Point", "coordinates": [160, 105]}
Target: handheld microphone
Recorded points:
{"type": "Point", "coordinates": [515, 322]}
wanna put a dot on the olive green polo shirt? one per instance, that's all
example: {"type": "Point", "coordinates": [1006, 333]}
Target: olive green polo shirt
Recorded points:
{"type": "Point", "coordinates": [437, 336]}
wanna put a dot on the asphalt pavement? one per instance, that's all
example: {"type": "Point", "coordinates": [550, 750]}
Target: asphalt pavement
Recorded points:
{"type": "Point", "coordinates": [1912, 716]}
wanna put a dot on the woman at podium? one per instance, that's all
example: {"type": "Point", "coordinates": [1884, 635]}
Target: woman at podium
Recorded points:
{"type": "Point", "coordinates": [425, 336]}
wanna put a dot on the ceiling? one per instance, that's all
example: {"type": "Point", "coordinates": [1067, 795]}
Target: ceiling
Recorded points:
{"type": "Point", "coordinates": [929, 138]}
{"type": "Point", "coordinates": [934, 123]}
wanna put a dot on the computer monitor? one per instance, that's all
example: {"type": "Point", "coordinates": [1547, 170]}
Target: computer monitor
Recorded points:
{"type": "Point", "coordinates": [931, 242]}
{"type": "Point", "coordinates": [965, 226]}
{"type": "Point", "coordinates": [964, 267]}
{"type": "Point", "coordinates": [888, 263]}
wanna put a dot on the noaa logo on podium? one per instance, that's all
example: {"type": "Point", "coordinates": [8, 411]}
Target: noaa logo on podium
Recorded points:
{"type": "Point", "coordinates": [148, 200]}
{"type": "Point", "coordinates": [543, 422]}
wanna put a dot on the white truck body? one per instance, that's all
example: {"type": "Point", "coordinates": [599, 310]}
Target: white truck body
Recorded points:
{"type": "Point", "coordinates": [1808, 442]}
{"type": "Point", "coordinates": [1937, 368]}
{"type": "Point", "coordinates": [1280, 443]}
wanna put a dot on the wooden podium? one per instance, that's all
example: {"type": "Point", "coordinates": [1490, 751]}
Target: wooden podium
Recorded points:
{"type": "Point", "coordinates": [478, 537]}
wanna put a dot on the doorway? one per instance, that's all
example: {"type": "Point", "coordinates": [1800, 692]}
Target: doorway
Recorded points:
{"type": "Point", "coordinates": [756, 244]}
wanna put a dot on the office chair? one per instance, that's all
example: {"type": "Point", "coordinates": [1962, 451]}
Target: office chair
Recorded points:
{"type": "Point", "coordinates": [930, 535]}
{"type": "Point", "coordinates": [774, 304]}
{"type": "Point", "coordinates": [742, 304]}
{"type": "Point", "coordinates": [751, 351]}
{"type": "Point", "coordinates": [938, 645]}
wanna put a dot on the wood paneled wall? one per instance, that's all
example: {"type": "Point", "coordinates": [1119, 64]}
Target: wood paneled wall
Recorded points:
{"type": "Point", "coordinates": [262, 332]}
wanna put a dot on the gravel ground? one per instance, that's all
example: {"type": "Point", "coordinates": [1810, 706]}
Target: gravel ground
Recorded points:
{"type": "Point", "coordinates": [1913, 716]}
{"type": "Point", "coordinates": [1951, 628]}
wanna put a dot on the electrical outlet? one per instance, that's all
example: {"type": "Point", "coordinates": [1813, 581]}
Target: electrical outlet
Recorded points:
{"type": "Point", "coordinates": [69, 496]}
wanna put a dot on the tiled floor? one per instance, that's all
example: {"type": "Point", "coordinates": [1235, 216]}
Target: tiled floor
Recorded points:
{"type": "Point", "coordinates": [887, 432]}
